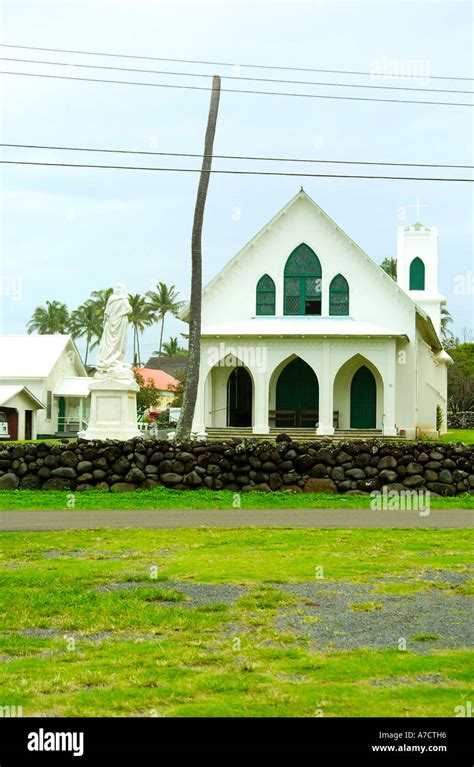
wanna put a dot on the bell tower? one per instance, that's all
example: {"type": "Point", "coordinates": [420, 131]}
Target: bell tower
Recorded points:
{"type": "Point", "coordinates": [417, 269]}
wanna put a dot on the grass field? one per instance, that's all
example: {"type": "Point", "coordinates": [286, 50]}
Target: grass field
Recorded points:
{"type": "Point", "coordinates": [458, 435]}
{"type": "Point", "coordinates": [167, 498]}
{"type": "Point", "coordinates": [241, 622]}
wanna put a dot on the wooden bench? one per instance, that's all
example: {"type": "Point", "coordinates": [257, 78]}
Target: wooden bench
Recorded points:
{"type": "Point", "coordinates": [313, 417]}
{"type": "Point", "coordinates": [306, 415]}
{"type": "Point", "coordinates": [283, 415]}
{"type": "Point", "coordinates": [309, 415]}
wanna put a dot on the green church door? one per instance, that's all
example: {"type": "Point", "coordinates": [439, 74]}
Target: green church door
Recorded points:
{"type": "Point", "coordinates": [297, 389]}
{"type": "Point", "coordinates": [239, 398]}
{"type": "Point", "coordinates": [363, 400]}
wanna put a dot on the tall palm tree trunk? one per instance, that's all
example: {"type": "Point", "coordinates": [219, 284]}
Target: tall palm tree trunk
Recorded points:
{"type": "Point", "coordinates": [183, 430]}
{"type": "Point", "coordinates": [161, 335]}
{"type": "Point", "coordinates": [138, 348]}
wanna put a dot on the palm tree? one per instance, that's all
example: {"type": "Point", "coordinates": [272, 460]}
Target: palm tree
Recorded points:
{"type": "Point", "coordinates": [172, 349]}
{"type": "Point", "coordinates": [183, 429]}
{"type": "Point", "coordinates": [53, 318]}
{"type": "Point", "coordinates": [140, 317]}
{"type": "Point", "coordinates": [85, 322]}
{"type": "Point", "coordinates": [99, 300]}
{"type": "Point", "coordinates": [446, 318]}
{"type": "Point", "coordinates": [164, 300]}
{"type": "Point", "coordinates": [389, 265]}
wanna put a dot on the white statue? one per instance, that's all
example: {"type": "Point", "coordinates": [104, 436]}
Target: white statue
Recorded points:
{"type": "Point", "coordinates": [113, 343]}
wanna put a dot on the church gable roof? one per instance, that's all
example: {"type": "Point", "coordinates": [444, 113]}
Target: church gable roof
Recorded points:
{"type": "Point", "coordinates": [302, 195]}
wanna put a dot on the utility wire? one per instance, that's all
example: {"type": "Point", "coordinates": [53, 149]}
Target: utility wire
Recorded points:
{"type": "Point", "coordinates": [225, 63]}
{"type": "Point", "coordinates": [238, 90]}
{"type": "Point", "coordinates": [231, 156]}
{"type": "Point", "coordinates": [231, 172]}
{"type": "Point", "coordinates": [74, 65]}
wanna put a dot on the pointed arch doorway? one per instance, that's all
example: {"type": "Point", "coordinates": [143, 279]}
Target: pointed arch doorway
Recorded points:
{"type": "Point", "coordinates": [239, 398]}
{"type": "Point", "coordinates": [297, 389]}
{"type": "Point", "coordinates": [363, 399]}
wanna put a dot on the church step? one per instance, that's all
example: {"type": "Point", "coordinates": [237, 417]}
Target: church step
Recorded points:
{"type": "Point", "coordinates": [222, 433]}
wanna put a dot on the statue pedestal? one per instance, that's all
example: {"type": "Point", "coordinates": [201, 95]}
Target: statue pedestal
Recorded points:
{"type": "Point", "coordinates": [113, 412]}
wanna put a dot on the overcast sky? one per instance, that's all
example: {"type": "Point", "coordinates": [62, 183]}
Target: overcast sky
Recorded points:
{"type": "Point", "coordinates": [68, 231]}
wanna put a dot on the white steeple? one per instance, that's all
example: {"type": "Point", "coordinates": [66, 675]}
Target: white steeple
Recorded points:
{"type": "Point", "coordinates": [417, 268]}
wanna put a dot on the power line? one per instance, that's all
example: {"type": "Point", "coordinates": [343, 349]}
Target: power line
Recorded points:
{"type": "Point", "coordinates": [232, 156]}
{"type": "Point", "coordinates": [231, 172]}
{"type": "Point", "coordinates": [239, 90]}
{"type": "Point", "coordinates": [232, 77]}
{"type": "Point", "coordinates": [224, 63]}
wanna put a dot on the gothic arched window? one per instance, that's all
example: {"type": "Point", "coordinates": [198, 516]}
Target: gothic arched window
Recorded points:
{"type": "Point", "coordinates": [265, 296]}
{"type": "Point", "coordinates": [417, 274]}
{"type": "Point", "coordinates": [339, 296]}
{"type": "Point", "coordinates": [302, 290]}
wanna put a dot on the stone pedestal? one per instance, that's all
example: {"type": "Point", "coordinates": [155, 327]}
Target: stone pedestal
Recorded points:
{"type": "Point", "coordinates": [113, 412]}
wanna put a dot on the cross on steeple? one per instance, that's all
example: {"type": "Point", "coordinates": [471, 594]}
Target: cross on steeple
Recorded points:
{"type": "Point", "coordinates": [417, 206]}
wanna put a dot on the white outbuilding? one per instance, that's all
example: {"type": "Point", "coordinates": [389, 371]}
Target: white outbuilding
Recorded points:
{"type": "Point", "coordinates": [18, 412]}
{"type": "Point", "coordinates": [50, 382]}
{"type": "Point", "coordinates": [302, 330]}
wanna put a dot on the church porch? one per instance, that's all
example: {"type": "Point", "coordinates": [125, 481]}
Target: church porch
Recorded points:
{"type": "Point", "coordinates": [320, 388]}
{"type": "Point", "coordinates": [70, 407]}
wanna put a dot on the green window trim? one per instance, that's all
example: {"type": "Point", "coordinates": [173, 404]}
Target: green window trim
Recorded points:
{"type": "Point", "coordinates": [417, 274]}
{"type": "Point", "coordinates": [339, 296]}
{"type": "Point", "coordinates": [265, 296]}
{"type": "Point", "coordinates": [302, 286]}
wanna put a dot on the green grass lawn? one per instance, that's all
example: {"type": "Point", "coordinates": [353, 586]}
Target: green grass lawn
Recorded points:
{"type": "Point", "coordinates": [167, 498]}
{"type": "Point", "coordinates": [101, 623]}
{"type": "Point", "coordinates": [458, 435]}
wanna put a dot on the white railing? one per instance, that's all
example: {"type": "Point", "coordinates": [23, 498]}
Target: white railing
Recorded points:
{"type": "Point", "coordinates": [71, 424]}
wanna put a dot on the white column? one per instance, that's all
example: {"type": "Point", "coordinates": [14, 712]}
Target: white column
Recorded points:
{"type": "Point", "coordinates": [260, 418]}
{"type": "Point", "coordinates": [326, 395]}
{"type": "Point", "coordinates": [389, 387]}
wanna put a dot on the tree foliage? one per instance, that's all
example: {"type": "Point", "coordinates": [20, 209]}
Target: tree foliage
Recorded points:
{"type": "Point", "coordinates": [461, 378]}
{"type": "Point", "coordinates": [87, 320]}
{"type": "Point", "coordinates": [50, 319]}
{"type": "Point", "coordinates": [148, 396]}
{"type": "Point", "coordinates": [164, 300]}
{"type": "Point", "coordinates": [389, 265]}
{"type": "Point", "coordinates": [173, 349]}
{"type": "Point", "coordinates": [178, 389]}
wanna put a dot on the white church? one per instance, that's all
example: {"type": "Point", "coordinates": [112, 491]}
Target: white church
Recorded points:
{"type": "Point", "coordinates": [303, 332]}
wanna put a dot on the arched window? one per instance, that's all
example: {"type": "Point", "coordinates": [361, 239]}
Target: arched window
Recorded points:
{"type": "Point", "coordinates": [265, 295]}
{"type": "Point", "coordinates": [302, 282]}
{"type": "Point", "coordinates": [339, 296]}
{"type": "Point", "coordinates": [417, 274]}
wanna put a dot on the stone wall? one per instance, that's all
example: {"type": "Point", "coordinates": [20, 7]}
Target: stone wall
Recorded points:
{"type": "Point", "coordinates": [462, 420]}
{"type": "Point", "coordinates": [320, 466]}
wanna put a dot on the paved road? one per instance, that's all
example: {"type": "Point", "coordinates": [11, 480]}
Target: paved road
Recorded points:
{"type": "Point", "coordinates": [175, 518]}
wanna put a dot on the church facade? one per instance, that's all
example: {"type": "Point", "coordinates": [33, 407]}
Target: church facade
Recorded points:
{"type": "Point", "coordinates": [302, 330]}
